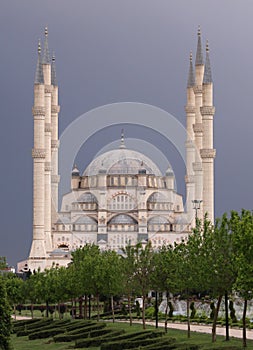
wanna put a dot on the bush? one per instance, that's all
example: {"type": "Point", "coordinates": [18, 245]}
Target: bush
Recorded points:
{"type": "Point", "coordinates": [193, 310]}
{"type": "Point", "coordinates": [45, 334]}
{"type": "Point", "coordinates": [150, 338]}
{"type": "Point", "coordinates": [83, 332]}
{"type": "Point", "coordinates": [95, 342]}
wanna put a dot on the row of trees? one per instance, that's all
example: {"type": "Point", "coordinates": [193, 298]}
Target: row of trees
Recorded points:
{"type": "Point", "coordinates": [217, 259]}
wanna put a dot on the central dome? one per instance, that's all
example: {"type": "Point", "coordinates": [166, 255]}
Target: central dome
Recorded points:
{"type": "Point", "coordinates": [122, 161]}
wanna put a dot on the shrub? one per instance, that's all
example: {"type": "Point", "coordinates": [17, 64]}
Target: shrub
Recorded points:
{"type": "Point", "coordinates": [212, 307]}
{"type": "Point", "coordinates": [171, 309]}
{"type": "Point", "coordinates": [133, 343]}
{"type": "Point", "coordinates": [193, 310]}
{"type": "Point", "coordinates": [95, 342]}
{"type": "Point", "coordinates": [232, 311]}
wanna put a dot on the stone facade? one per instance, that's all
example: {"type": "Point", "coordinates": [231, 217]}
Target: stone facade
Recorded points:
{"type": "Point", "coordinates": [121, 197]}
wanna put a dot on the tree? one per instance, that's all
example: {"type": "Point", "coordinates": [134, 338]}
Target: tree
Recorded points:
{"type": "Point", "coordinates": [3, 263]}
{"type": "Point", "coordinates": [128, 270]}
{"type": "Point", "coordinates": [112, 275]}
{"type": "Point", "coordinates": [220, 273]}
{"type": "Point", "coordinates": [5, 317]}
{"type": "Point", "coordinates": [14, 289]}
{"type": "Point", "coordinates": [241, 227]}
{"type": "Point", "coordinates": [164, 278]}
{"type": "Point", "coordinates": [143, 267]}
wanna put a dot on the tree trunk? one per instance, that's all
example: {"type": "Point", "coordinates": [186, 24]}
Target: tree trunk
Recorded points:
{"type": "Point", "coordinates": [32, 310]}
{"type": "Point", "coordinates": [129, 309]}
{"type": "Point", "coordinates": [47, 308]}
{"type": "Point", "coordinates": [80, 307]}
{"type": "Point", "coordinates": [226, 316]}
{"type": "Point", "coordinates": [143, 312]}
{"type": "Point", "coordinates": [244, 337]}
{"type": "Point", "coordinates": [98, 308]}
{"type": "Point", "coordinates": [215, 319]}
{"type": "Point", "coordinates": [166, 313]}
{"type": "Point", "coordinates": [112, 307]}
{"type": "Point", "coordinates": [188, 318]}
{"type": "Point", "coordinates": [85, 307]}
{"type": "Point", "coordinates": [15, 312]}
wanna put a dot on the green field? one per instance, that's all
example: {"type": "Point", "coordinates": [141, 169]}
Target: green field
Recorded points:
{"type": "Point", "coordinates": [203, 340]}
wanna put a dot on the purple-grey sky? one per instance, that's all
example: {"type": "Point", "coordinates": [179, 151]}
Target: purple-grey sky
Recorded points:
{"type": "Point", "coordinates": [114, 51]}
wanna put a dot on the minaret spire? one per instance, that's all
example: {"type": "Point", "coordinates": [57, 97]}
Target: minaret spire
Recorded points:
{"type": "Point", "coordinates": [207, 72]}
{"type": "Point", "coordinates": [191, 75]}
{"type": "Point", "coordinates": [122, 141]}
{"type": "Point", "coordinates": [46, 56]}
{"type": "Point", "coordinates": [53, 71]}
{"type": "Point", "coordinates": [39, 78]}
{"type": "Point", "coordinates": [199, 54]}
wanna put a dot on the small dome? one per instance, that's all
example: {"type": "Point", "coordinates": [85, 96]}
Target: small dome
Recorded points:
{"type": "Point", "coordinates": [85, 220]}
{"type": "Point", "coordinates": [169, 172]}
{"type": "Point", "coordinates": [63, 220]}
{"type": "Point", "coordinates": [181, 220]}
{"type": "Point", "coordinates": [123, 219]}
{"type": "Point", "coordinates": [157, 197]}
{"type": "Point", "coordinates": [158, 220]}
{"type": "Point", "coordinates": [75, 171]}
{"type": "Point", "coordinates": [87, 198]}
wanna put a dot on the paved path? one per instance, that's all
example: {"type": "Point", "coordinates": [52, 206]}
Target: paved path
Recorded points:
{"type": "Point", "coordinates": [236, 333]}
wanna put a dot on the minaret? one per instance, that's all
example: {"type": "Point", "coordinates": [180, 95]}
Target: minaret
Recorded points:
{"type": "Point", "coordinates": [55, 109]}
{"type": "Point", "coordinates": [208, 152]}
{"type": "Point", "coordinates": [198, 127]}
{"type": "Point", "coordinates": [190, 148]}
{"type": "Point", "coordinates": [38, 250]}
{"type": "Point", "coordinates": [46, 64]}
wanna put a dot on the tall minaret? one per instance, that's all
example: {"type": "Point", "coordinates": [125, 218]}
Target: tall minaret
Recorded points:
{"type": "Point", "coordinates": [38, 251]}
{"type": "Point", "coordinates": [198, 127]}
{"type": "Point", "coordinates": [208, 152]}
{"type": "Point", "coordinates": [190, 148]}
{"type": "Point", "coordinates": [46, 64]}
{"type": "Point", "coordinates": [55, 109]}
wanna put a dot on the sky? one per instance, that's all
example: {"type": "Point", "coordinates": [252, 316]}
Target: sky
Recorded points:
{"type": "Point", "coordinates": [111, 51]}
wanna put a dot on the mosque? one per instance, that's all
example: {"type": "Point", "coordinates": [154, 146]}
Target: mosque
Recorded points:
{"type": "Point", "coordinates": [121, 197]}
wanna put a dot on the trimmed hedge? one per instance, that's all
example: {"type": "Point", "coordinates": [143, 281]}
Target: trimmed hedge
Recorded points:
{"type": "Point", "coordinates": [52, 331]}
{"type": "Point", "coordinates": [67, 336]}
{"type": "Point", "coordinates": [97, 341]}
{"type": "Point", "coordinates": [52, 325]}
{"type": "Point", "coordinates": [34, 326]}
{"type": "Point", "coordinates": [150, 338]}
{"type": "Point", "coordinates": [86, 334]}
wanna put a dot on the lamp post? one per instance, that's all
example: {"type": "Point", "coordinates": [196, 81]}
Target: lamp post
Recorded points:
{"type": "Point", "coordinates": [196, 206]}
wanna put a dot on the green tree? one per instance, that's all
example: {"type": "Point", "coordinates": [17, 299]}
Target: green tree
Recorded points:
{"type": "Point", "coordinates": [143, 268]}
{"type": "Point", "coordinates": [5, 317]}
{"type": "Point", "coordinates": [241, 226]}
{"type": "Point", "coordinates": [128, 270]}
{"type": "Point", "coordinates": [219, 267]}
{"type": "Point", "coordinates": [164, 274]}
{"type": "Point", "coordinates": [3, 263]}
{"type": "Point", "coordinates": [14, 288]}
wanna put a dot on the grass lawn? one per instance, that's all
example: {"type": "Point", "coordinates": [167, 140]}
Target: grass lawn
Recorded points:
{"type": "Point", "coordinates": [22, 343]}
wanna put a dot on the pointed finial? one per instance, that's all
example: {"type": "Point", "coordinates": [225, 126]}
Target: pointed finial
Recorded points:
{"type": "Point", "coordinates": [39, 47]}
{"type": "Point", "coordinates": [199, 31]}
{"type": "Point", "coordinates": [207, 79]}
{"type": "Point", "coordinates": [122, 141]}
{"type": "Point", "coordinates": [191, 76]}
{"type": "Point", "coordinates": [199, 55]}
{"type": "Point", "coordinates": [39, 78]}
{"type": "Point", "coordinates": [53, 71]}
{"type": "Point", "coordinates": [46, 56]}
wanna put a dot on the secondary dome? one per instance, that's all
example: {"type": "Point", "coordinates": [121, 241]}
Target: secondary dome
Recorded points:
{"type": "Point", "coordinates": [122, 161]}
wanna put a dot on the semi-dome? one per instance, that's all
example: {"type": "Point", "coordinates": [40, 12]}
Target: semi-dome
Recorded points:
{"type": "Point", "coordinates": [157, 197]}
{"type": "Point", "coordinates": [85, 220]}
{"type": "Point", "coordinates": [122, 219]}
{"type": "Point", "coordinates": [122, 161]}
{"type": "Point", "coordinates": [158, 220]}
{"type": "Point", "coordinates": [87, 198]}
